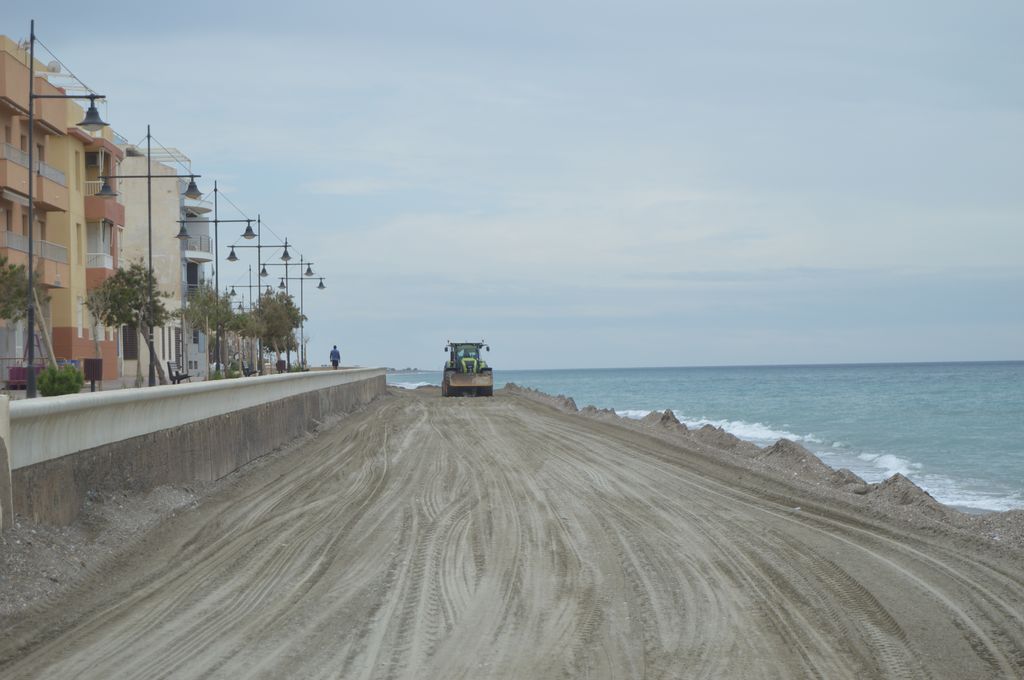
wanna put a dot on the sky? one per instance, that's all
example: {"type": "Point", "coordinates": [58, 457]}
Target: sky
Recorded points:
{"type": "Point", "coordinates": [600, 184]}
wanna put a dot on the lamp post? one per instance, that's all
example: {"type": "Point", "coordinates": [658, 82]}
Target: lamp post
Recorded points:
{"type": "Point", "coordinates": [92, 122]}
{"type": "Point", "coordinates": [302, 280]}
{"type": "Point", "coordinates": [192, 191]}
{"type": "Point", "coordinates": [249, 235]}
{"type": "Point", "coordinates": [183, 236]}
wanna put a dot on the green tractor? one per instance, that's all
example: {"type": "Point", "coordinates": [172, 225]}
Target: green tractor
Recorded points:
{"type": "Point", "coordinates": [466, 373]}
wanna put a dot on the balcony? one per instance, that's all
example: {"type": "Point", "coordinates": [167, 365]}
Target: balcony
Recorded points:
{"type": "Point", "coordinates": [198, 249]}
{"type": "Point", "coordinates": [51, 189]}
{"type": "Point", "coordinates": [99, 268]}
{"type": "Point", "coordinates": [51, 258]}
{"type": "Point", "coordinates": [13, 83]}
{"type": "Point", "coordinates": [197, 206]}
{"type": "Point", "coordinates": [14, 169]}
{"type": "Point", "coordinates": [98, 209]}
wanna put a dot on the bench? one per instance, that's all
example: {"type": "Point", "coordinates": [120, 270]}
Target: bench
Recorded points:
{"type": "Point", "coordinates": [247, 370]}
{"type": "Point", "coordinates": [174, 373]}
{"type": "Point", "coordinates": [17, 377]}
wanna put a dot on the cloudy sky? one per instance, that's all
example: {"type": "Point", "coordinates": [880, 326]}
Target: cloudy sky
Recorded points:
{"type": "Point", "coordinates": [597, 184]}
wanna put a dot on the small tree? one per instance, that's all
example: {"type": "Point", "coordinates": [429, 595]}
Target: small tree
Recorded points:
{"type": "Point", "coordinates": [246, 325]}
{"type": "Point", "coordinates": [279, 318]}
{"type": "Point", "coordinates": [206, 310]}
{"type": "Point", "coordinates": [14, 295]}
{"type": "Point", "coordinates": [130, 298]}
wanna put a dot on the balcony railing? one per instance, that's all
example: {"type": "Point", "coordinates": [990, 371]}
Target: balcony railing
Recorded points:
{"type": "Point", "coordinates": [53, 251]}
{"type": "Point", "coordinates": [14, 241]}
{"type": "Point", "coordinates": [53, 174]}
{"type": "Point", "coordinates": [14, 154]}
{"type": "Point", "coordinates": [100, 261]}
{"type": "Point", "coordinates": [202, 244]}
{"type": "Point", "coordinates": [93, 186]}
{"type": "Point", "coordinates": [44, 249]}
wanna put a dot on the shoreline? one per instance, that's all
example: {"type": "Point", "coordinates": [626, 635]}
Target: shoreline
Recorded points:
{"type": "Point", "coordinates": [940, 458]}
{"type": "Point", "coordinates": [790, 463]}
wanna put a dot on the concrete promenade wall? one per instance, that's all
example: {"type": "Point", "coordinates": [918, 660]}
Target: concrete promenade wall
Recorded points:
{"type": "Point", "coordinates": [136, 439]}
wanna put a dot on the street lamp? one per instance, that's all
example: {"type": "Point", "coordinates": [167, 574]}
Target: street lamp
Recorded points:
{"type": "Point", "coordinates": [302, 325]}
{"type": "Point", "coordinates": [192, 191]}
{"type": "Point", "coordinates": [249, 235]}
{"type": "Point", "coordinates": [183, 235]}
{"type": "Point", "coordinates": [92, 122]}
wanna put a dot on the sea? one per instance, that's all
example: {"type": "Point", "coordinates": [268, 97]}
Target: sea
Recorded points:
{"type": "Point", "coordinates": [955, 429]}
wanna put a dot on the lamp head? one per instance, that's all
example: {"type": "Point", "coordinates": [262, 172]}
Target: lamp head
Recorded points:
{"type": "Point", "coordinates": [281, 285]}
{"type": "Point", "coordinates": [249, 233]}
{"type": "Point", "coordinates": [92, 121]}
{"type": "Point", "coordinates": [309, 270]}
{"type": "Point", "coordinates": [321, 286]}
{"type": "Point", "coordinates": [264, 273]}
{"type": "Point", "coordinates": [232, 257]}
{"type": "Point", "coordinates": [285, 257]}
{"type": "Point", "coordinates": [232, 293]}
{"type": "Point", "coordinates": [106, 191]}
{"type": "Point", "coordinates": [182, 233]}
{"type": "Point", "coordinates": [193, 191]}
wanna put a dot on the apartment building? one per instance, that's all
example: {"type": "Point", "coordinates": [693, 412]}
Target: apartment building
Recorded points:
{"type": "Point", "coordinates": [74, 234]}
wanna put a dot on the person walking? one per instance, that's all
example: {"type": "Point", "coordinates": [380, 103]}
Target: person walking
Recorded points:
{"type": "Point", "coordinates": [335, 357]}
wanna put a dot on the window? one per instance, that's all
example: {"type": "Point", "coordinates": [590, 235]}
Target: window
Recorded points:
{"type": "Point", "coordinates": [81, 308]}
{"type": "Point", "coordinates": [78, 171]}
{"type": "Point", "coordinates": [79, 245]}
{"type": "Point", "coordinates": [7, 134]}
{"type": "Point", "coordinates": [130, 342]}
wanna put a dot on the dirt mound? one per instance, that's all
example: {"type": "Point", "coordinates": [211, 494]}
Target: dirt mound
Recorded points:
{"type": "Point", "coordinates": [664, 419]}
{"type": "Point", "coordinates": [791, 456]}
{"type": "Point", "coordinates": [561, 402]}
{"type": "Point", "coordinates": [720, 439]}
{"type": "Point", "coordinates": [849, 481]}
{"type": "Point", "coordinates": [899, 490]}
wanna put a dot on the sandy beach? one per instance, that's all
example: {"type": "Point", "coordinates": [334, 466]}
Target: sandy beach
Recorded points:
{"type": "Point", "coordinates": [521, 537]}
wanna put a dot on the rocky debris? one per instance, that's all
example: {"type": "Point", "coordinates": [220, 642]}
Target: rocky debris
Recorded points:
{"type": "Point", "coordinates": [899, 490]}
{"type": "Point", "coordinates": [38, 562]}
{"type": "Point", "coordinates": [1006, 528]}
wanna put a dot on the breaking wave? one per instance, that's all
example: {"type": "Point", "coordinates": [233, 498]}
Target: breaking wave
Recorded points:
{"type": "Point", "coordinates": [758, 433]}
{"type": "Point", "coordinates": [410, 386]}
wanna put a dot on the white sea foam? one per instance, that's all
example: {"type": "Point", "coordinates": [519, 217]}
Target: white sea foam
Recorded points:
{"type": "Point", "coordinates": [888, 465]}
{"type": "Point", "coordinates": [759, 433]}
{"type": "Point", "coordinates": [410, 386]}
{"type": "Point", "coordinates": [950, 492]}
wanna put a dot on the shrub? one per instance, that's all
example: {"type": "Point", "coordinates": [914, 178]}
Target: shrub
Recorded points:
{"type": "Point", "coordinates": [56, 381]}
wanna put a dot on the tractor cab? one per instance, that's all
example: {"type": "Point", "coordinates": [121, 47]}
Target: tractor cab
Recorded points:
{"type": "Point", "coordinates": [464, 357]}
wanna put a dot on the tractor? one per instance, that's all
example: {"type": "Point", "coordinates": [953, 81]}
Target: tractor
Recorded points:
{"type": "Point", "coordinates": [466, 373]}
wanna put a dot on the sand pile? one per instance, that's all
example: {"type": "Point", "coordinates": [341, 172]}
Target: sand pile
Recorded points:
{"type": "Point", "coordinates": [900, 491]}
{"type": "Point", "coordinates": [794, 458]}
{"type": "Point", "coordinates": [560, 402]}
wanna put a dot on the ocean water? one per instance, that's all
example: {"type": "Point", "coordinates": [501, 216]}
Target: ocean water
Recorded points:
{"type": "Point", "coordinates": [955, 429]}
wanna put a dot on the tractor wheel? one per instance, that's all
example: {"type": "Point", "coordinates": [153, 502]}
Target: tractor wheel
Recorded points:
{"type": "Point", "coordinates": [486, 392]}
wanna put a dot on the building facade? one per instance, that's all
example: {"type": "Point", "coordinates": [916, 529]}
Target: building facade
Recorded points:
{"type": "Point", "coordinates": [178, 265]}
